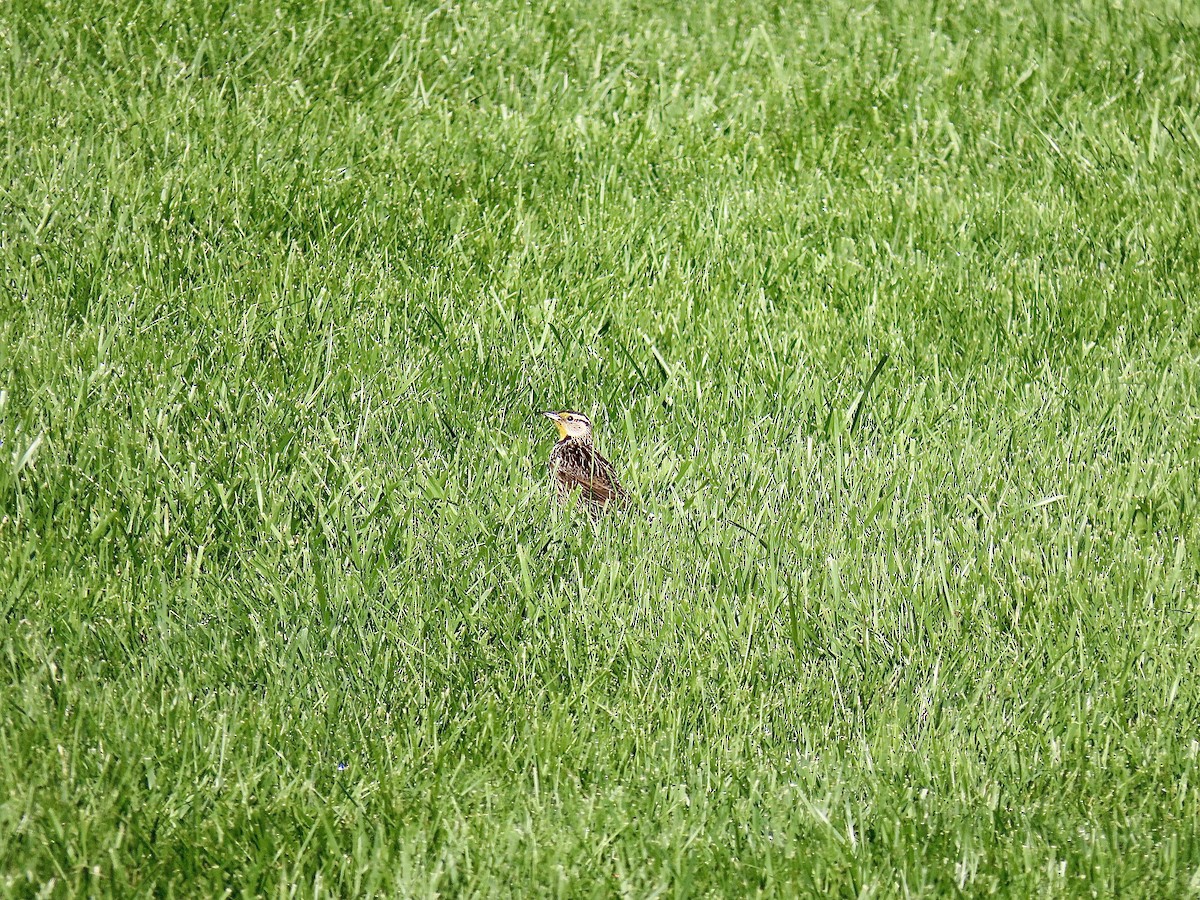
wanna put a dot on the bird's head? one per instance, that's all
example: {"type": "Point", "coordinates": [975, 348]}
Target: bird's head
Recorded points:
{"type": "Point", "coordinates": [570, 424]}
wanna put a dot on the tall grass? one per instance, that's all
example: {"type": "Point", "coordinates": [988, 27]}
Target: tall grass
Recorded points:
{"type": "Point", "coordinates": [285, 603]}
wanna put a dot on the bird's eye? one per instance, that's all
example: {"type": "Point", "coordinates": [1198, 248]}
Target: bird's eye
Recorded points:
{"type": "Point", "coordinates": [568, 417]}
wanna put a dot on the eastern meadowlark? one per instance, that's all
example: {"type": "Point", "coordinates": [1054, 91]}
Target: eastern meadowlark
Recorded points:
{"type": "Point", "coordinates": [575, 466]}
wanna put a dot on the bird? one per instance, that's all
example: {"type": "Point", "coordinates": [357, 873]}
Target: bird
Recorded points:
{"type": "Point", "coordinates": [577, 467]}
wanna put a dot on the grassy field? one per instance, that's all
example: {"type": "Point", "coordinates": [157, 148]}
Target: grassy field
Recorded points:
{"type": "Point", "coordinates": [285, 605]}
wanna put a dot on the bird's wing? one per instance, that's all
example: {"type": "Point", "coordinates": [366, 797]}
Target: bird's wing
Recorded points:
{"type": "Point", "coordinates": [596, 487]}
{"type": "Point", "coordinates": [596, 480]}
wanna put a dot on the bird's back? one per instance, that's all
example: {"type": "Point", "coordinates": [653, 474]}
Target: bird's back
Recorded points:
{"type": "Point", "coordinates": [575, 465]}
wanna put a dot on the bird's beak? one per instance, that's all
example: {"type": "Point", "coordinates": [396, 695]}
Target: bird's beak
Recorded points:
{"type": "Point", "coordinates": [557, 419]}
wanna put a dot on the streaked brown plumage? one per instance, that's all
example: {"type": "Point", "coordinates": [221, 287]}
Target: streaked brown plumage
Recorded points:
{"type": "Point", "coordinates": [577, 467]}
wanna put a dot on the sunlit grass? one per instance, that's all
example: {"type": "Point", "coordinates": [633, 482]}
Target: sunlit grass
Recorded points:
{"type": "Point", "coordinates": [885, 312]}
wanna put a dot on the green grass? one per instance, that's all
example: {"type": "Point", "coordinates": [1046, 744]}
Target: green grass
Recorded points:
{"type": "Point", "coordinates": [284, 602]}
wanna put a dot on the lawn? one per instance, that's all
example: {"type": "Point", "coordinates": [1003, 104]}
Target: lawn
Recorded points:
{"type": "Point", "coordinates": [286, 604]}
